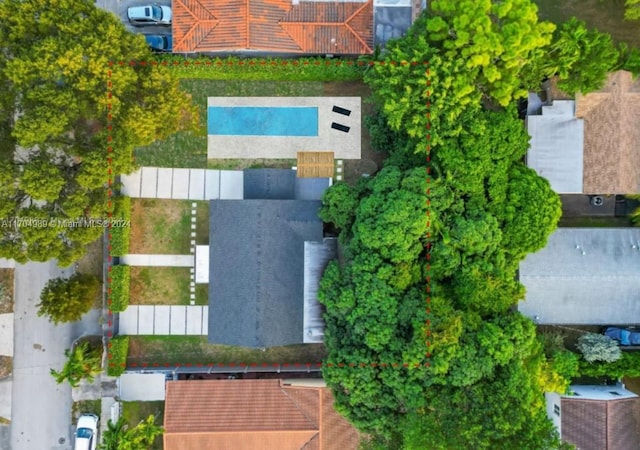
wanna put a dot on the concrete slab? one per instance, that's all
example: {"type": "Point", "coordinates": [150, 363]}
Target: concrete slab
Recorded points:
{"type": "Point", "coordinates": [194, 321]}
{"type": "Point", "coordinates": [149, 182]}
{"type": "Point", "coordinates": [7, 263]}
{"type": "Point", "coordinates": [180, 188]}
{"type": "Point", "coordinates": [129, 321]}
{"type": "Point", "coordinates": [196, 184]}
{"type": "Point", "coordinates": [178, 320]}
{"type": "Point", "coordinates": [6, 384]}
{"type": "Point", "coordinates": [165, 182]}
{"type": "Point", "coordinates": [145, 387]}
{"type": "Point", "coordinates": [145, 319]}
{"type": "Point", "coordinates": [158, 260]}
{"type": "Point", "coordinates": [205, 319]}
{"type": "Point", "coordinates": [346, 145]}
{"type": "Point", "coordinates": [231, 184]}
{"type": "Point", "coordinates": [212, 185]}
{"type": "Point", "coordinates": [131, 183]}
{"type": "Point", "coordinates": [6, 334]}
{"type": "Point", "coordinates": [162, 319]}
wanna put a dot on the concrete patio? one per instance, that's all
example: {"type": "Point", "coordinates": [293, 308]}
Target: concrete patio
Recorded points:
{"type": "Point", "coordinates": [165, 320]}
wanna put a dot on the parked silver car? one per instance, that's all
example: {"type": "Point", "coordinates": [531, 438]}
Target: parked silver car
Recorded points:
{"type": "Point", "coordinates": [153, 14]}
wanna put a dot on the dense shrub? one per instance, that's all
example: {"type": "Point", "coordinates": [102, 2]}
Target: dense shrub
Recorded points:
{"type": "Point", "coordinates": [120, 280]}
{"type": "Point", "coordinates": [121, 226]}
{"type": "Point", "coordinates": [67, 299]}
{"type": "Point", "coordinates": [270, 69]}
{"type": "Point", "coordinates": [627, 366]}
{"type": "Point", "coordinates": [598, 347]}
{"type": "Point", "coordinates": [118, 350]}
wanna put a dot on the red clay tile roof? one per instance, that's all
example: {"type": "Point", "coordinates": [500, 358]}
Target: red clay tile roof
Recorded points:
{"type": "Point", "coordinates": [611, 136]}
{"type": "Point", "coordinates": [253, 415]}
{"type": "Point", "coordinates": [601, 425]}
{"type": "Point", "coordinates": [272, 25]}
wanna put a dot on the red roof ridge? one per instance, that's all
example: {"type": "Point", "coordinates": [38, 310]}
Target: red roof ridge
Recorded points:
{"type": "Point", "coordinates": [353, 16]}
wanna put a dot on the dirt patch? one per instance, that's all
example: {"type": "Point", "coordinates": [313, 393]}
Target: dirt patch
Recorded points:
{"type": "Point", "coordinates": [6, 366]}
{"type": "Point", "coordinates": [93, 260]}
{"type": "Point", "coordinates": [196, 350]}
{"type": "Point", "coordinates": [6, 290]}
{"type": "Point", "coordinates": [160, 226]}
{"type": "Point", "coordinates": [159, 286]}
{"type": "Point", "coordinates": [570, 334]}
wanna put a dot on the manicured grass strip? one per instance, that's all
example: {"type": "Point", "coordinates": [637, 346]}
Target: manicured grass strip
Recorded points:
{"type": "Point", "coordinates": [271, 69]}
{"type": "Point", "coordinates": [121, 225]}
{"type": "Point", "coordinates": [118, 350]}
{"type": "Point", "coordinates": [120, 280]}
{"type": "Point", "coordinates": [160, 286]}
{"type": "Point", "coordinates": [196, 350]}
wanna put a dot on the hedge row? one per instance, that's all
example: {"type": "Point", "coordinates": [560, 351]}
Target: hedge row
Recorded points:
{"type": "Point", "coordinates": [120, 280]}
{"type": "Point", "coordinates": [627, 366]}
{"type": "Point", "coordinates": [121, 225]}
{"type": "Point", "coordinates": [118, 351]}
{"type": "Point", "coordinates": [264, 69]}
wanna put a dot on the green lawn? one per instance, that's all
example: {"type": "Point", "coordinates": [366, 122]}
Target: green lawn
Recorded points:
{"type": "Point", "coordinates": [160, 226]}
{"type": "Point", "coordinates": [605, 15]}
{"type": "Point", "coordinates": [159, 286]}
{"type": "Point", "coordinates": [195, 350]}
{"type": "Point", "coordinates": [136, 412]}
{"type": "Point", "coordinates": [202, 223]}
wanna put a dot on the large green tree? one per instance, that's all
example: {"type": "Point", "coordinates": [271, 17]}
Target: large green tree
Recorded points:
{"type": "Point", "coordinates": [67, 299]}
{"type": "Point", "coordinates": [67, 85]}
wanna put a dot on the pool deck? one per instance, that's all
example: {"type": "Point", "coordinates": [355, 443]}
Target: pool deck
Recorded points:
{"type": "Point", "coordinates": [344, 145]}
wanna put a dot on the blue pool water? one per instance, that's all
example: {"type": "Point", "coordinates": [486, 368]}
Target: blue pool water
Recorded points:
{"type": "Point", "coordinates": [262, 121]}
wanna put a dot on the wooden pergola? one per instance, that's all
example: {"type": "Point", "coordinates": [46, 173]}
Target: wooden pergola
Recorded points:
{"type": "Point", "coordinates": [315, 165]}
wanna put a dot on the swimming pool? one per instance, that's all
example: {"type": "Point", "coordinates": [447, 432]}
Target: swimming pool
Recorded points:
{"type": "Point", "coordinates": [262, 121]}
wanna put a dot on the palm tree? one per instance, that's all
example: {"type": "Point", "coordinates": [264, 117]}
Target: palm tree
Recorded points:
{"type": "Point", "coordinates": [114, 435]}
{"type": "Point", "coordinates": [146, 432]}
{"type": "Point", "coordinates": [82, 363]}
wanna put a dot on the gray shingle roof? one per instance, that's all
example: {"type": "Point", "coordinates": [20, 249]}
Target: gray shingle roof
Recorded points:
{"type": "Point", "coordinates": [584, 276]}
{"type": "Point", "coordinates": [256, 270]}
{"type": "Point", "coordinates": [282, 184]}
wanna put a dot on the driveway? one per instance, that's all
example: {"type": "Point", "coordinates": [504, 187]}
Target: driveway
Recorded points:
{"type": "Point", "coordinates": [39, 346]}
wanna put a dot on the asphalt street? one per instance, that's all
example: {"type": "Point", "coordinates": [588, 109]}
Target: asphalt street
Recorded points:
{"type": "Point", "coordinates": [41, 409]}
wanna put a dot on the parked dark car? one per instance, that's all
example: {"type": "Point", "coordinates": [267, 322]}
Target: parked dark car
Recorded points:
{"type": "Point", "coordinates": [159, 42]}
{"type": "Point", "coordinates": [152, 14]}
{"type": "Point", "coordinates": [623, 335]}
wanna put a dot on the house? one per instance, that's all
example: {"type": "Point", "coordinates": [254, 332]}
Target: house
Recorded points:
{"type": "Point", "coordinates": [597, 417]}
{"type": "Point", "coordinates": [253, 415]}
{"type": "Point", "coordinates": [276, 26]}
{"type": "Point", "coordinates": [592, 145]}
{"type": "Point", "coordinates": [584, 276]}
{"type": "Point", "coordinates": [289, 27]}
{"type": "Point", "coordinates": [266, 256]}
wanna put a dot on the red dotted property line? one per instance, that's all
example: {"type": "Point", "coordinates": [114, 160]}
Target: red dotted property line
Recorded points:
{"type": "Point", "coordinates": [110, 182]}
{"type": "Point", "coordinates": [428, 218]}
{"type": "Point", "coordinates": [268, 63]}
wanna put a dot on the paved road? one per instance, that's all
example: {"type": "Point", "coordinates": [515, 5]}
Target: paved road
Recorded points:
{"type": "Point", "coordinates": [41, 410]}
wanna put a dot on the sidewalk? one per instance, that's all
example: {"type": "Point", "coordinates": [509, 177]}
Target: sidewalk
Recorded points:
{"type": "Point", "coordinates": [158, 260]}
{"type": "Point", "coordinates": [165, 320]}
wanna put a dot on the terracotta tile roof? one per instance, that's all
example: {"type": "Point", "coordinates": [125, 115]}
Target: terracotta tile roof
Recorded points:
{"type": "Point", "coordinates": [272, 25]}
{"type": "Point", "coordinates": [253, 415]}
{"type": "Point", "coordinates": [611, 136]}
{"type": "Point", "coordinates": [601, 425]}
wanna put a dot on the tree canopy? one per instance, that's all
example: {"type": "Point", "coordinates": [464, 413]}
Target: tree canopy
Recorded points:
{"type": "Point", "coordinates": [63, 92]}
{"type": "Point", "coordinates": [67, 299]}
{"type": "Point", "coordinates": [425, 347]}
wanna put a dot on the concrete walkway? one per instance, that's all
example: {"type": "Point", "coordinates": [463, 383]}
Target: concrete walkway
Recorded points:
{"type": "Point", "coordinates": [158, 260]}
{"type": "Point", "coordinates": [7, 263]}
{"type": "Point", "coordinates": [165, 320]}
{"type": "Point", "coordinates": [6, 385]}
{"type": "Point", "coordinates": [184, 184]}
{"type": "Point", "coordinates": [6, 334]}
{"type": "Point", "coordinates": [39, 346]}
